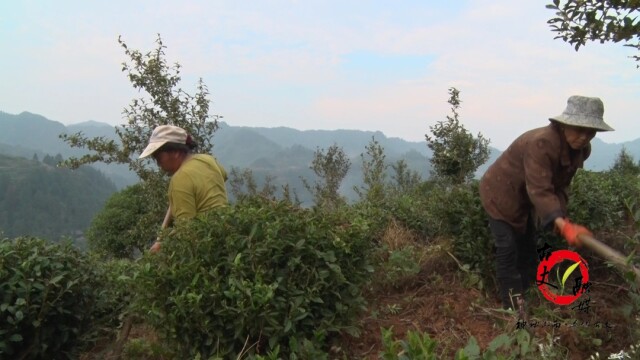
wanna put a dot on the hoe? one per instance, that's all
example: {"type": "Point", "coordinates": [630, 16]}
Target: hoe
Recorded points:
{"type": "Point", "coordinates": [612, 255]}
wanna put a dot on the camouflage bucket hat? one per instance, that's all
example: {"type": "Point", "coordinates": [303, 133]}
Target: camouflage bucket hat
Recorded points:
{"type": "Point", "coordinates": [583, 111]}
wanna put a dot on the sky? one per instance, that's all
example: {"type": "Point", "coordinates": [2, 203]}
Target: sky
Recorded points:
{"type": "Point", "coordinates": [367, 65]}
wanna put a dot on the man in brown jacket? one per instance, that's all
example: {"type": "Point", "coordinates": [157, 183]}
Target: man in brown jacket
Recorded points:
{"type": "Point", "coordinates": [527, 187]}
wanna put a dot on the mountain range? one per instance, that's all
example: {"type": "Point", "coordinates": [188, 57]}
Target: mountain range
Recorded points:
{"type": "Point", "coordinates": [284, 154]}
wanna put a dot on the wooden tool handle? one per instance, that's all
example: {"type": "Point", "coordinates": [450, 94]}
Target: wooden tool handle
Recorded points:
{"type": "Point", "coordinates": [609, 254]}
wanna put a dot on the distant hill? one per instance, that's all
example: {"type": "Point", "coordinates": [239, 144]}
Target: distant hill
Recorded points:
{"type": "Point", "coordinates": [39, 199]}
{"type": "Point", "coordinates": [280, 152]}
{"type": "Point", "coordinates": [27, 134]}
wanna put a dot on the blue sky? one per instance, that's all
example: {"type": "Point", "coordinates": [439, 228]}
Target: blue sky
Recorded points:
{"type": "Point", "coordinates": [369, 65]}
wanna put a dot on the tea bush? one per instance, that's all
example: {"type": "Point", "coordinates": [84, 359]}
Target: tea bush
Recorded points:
{"type": "Point", "coordinates": [459, 214]}
{"type": "Point", "coordinates": [415, 209]}
{"type": "Point", "coordinates": [412, 211]}
{"type": "Point", "coordinates": [49, 294]}
{"type": "Point", "coordinates": [120, 229]}
{"type": "Point", "coordinates": [257, 276]}
{"type": "Point", "coordinates": [594, 200]}
{"type": "Point", "coordinates": [453, 211]}
{"type": "Point", "coordinates": [115, 293]}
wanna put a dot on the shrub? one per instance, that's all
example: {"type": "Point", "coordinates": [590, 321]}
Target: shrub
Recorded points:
{"type": "Point", "coordinates": [48, 294]}
{"type": "Point", "coordinates": [605, 201]}
{"type": "Point", "coordinates": [114, 294]}
{"type": "Point", "coordinates": [436, 209]}
{"type": "Point", "coordinates": [456, 152]}
{"type": "Point", "coordinates": [117, 231]}
{"type": "Point", "coordinates": [256, 278]}
{"type": "Point", "coordinates": [460, 214]}
{"type": "Point", "coordinates": [412, 211]}
{"type": "Point", "coordinates": [594, 200]}
{"type": "Point", "coordinates": [416, 209]}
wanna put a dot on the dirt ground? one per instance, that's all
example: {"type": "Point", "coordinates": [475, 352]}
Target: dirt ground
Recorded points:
{"type": "Point", "coordinates": [438, 302]}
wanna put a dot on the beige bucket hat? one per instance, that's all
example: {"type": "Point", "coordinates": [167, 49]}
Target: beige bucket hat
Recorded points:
{"type": "Point", "coordinates": [164, 134]}
{"type": "Point", "coordinates": [584, 112]}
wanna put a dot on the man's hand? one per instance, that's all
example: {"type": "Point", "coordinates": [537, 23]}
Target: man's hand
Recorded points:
{"type": "Point", "coordinates": [155, 247]}
{"type": "Point", "coordinates": [571, 232]}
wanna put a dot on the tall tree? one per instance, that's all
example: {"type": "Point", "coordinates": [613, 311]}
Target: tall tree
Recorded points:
{"type": "Point", "coordinates": [165, 103]}
{"type": "Point", "coordinates": [579, 21]}
{"type": "Point", "coordinates": [625, 164]}
{"type": "Point", "coordinates": [374, 173]}
{"type": "Point", "coordinates": [330, 167]}
{"type": "Point", "coordinates": [456, 152]}
{"type": "Point", "coordinates": [404, 179]}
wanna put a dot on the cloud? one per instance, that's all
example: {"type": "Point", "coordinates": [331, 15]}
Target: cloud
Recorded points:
{"type": "Point", "coordinates": [319, 64]}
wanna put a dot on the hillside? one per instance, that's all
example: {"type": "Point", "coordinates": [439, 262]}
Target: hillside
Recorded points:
{"type": "Point", "coordinates": [281, 153]}
{"type": "Point", "coordinates": [39, 199]}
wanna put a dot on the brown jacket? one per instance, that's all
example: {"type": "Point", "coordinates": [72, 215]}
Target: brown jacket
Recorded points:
{"type": "Point", "coordinates": [533, 174]}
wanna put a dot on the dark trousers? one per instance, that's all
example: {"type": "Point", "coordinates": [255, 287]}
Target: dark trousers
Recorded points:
{"type": "Point", "coordinates": [516, 259]}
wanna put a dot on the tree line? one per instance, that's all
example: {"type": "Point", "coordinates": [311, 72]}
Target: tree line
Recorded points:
{"type": "Point", "coordinates": [41, 199]}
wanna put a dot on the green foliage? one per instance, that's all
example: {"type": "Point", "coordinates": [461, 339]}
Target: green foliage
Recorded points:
{"type": "Point", "coordinates": [166, 104]}
{"type": "Point", "coordinates": [256, 276]}
{"type": "Point", "coordinates": [625, 164]}
{"type": "Point", "coordinates": [398, 265]}
{"type": "Point", "coordinates": [579, 21]}
{"type": "Point", "coordinates": [115, 231]}
{"type": "Point", "coordinates": [413, 210]}
{"type": "Point", "coordinates": [459, 211]}
{"type": "Point", "coordinates": [330, 168]}
{"type": "Point", "coordinates": [456, 153]}
{"type": "Point", "coordinates": [404, 179]}
{"type": "Point", "coordinates": [242, 183]}
{"type": "Point", "coordinates": [435, 209]}
{"type": "Point", "coordinates": [140, 349]}
{"type": "Point", "coordinates": [50, 299]}
{"type": "Point", "coordinates": [516, 345]}
{"type": "Point", "coordinates": [598, 200]}
{"type": "Point", "coordinates": [415, 346]}
{"type": "Point", "coordinates": [41, 200]}
{"type": "Point", "coordinates": [244, 186]}
{"type": "Point", "coordinates": [373, 174]}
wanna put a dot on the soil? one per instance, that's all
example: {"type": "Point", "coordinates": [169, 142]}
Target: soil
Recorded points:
{"type": "Point", "coordinates": [440, 303]}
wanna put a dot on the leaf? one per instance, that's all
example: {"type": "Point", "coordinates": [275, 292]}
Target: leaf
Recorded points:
{"type": "Point", "coordinates": [568, 272]}
{"type": "Point", "coordinates": [38, 285]}
{"type": "Point", "coordinates": [56, 279]}
{"type": "Point", "coordinates": [472, 349]}
{"type": "Point", "coordinates": [524, 339]}
{"type": "Point", "coordinates": [500, 341]}
{"type": "Point", "coordinates": [254, 230]}
{"type": "Point", "coordinates": [15, 338]}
